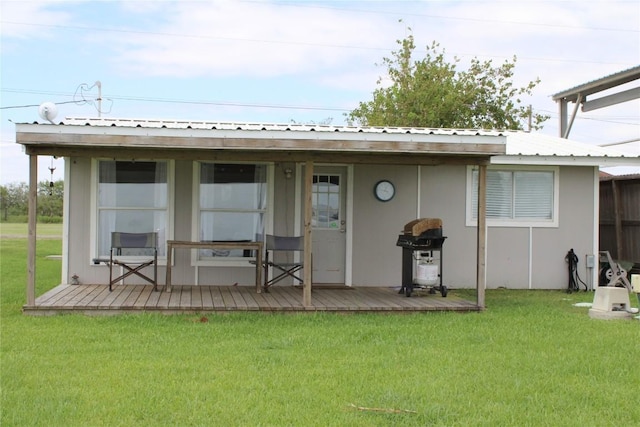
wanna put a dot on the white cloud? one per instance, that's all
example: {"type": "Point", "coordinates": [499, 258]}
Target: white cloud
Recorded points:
{"type": "Point", "coordinates": [313, 54]}
{"type": "Point", "coordinates": [31, 19]}
{"type": "Point", "coordinates": [225, 38]}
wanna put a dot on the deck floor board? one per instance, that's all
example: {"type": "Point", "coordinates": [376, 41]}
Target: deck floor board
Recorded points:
{"type": "Point", "coordinates": [97, 299]}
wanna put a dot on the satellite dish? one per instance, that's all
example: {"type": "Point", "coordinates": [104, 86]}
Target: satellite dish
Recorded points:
{"type": "Point", "coordinates": [48, 111]}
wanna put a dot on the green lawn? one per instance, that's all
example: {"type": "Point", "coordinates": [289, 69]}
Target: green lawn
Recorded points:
{"type": "Point", "coordinates": [15, 230]}
{"type": "Point", "coordinates": [531, 359]}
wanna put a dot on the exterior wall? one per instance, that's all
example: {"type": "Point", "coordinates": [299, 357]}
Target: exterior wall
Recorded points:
{"type": "Point", "coordinates": [376, 260]}
{"type": "Point", "coordinates": [576, 231]}
{"type": "Point", "coordinates": [511, 250]}
{"type": "Point", "coordinates": [79, 218]}
{"type": "Point", "coordinates": [443, 196]}
{"type": "Point", "coordinates": [517, 257]}
{"type": "Point", "coordinates": [79, 248]}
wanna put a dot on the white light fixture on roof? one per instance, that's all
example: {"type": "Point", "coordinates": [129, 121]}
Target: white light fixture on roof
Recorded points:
{"type": "Point", "coordinates": [48, 111]}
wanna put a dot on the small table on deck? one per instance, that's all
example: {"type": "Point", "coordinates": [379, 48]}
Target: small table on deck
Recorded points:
{"type": "Point", "coordinates": [256, 246]}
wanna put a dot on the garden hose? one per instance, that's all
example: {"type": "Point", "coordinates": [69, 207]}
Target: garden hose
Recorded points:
{"type": "Point", "coordinates": [572, 259]}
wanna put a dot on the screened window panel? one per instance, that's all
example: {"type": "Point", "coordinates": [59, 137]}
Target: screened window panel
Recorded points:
{"type": "Point", "coordinates": [233, 203]}
{"type": "Point", "coordinates": [534, 195]}
{"type": "Point", "coordinates": [516, 194]}
{"type": "Point", "coordinates": [132, 184]}
{"type": "Point", "coordinates": [133, 198]}
{"type": "Point", "coordinates": [499, 194]}
{"type": "Point", "coordinates": [233, 186]}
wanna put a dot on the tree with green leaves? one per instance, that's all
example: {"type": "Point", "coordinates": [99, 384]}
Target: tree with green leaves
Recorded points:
{"type": "Point", "coordinates": [50, 198]}
{"type": "Point", "coordinates": [14, 200]}
{"type": "Point", "coordinates": [432, 92]}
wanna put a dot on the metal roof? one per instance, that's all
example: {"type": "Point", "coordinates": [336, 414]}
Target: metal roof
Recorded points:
{"type": "Point", "coordinates": [248, 126]}
{"type": "Point", "coordinates": [520, 147]}
{"type": "Point", "coordinates": [298, 142]}
{"type": "Point", "coordinates": [536, 148]}
{"type": "Point", "coordinates": [598, 85]}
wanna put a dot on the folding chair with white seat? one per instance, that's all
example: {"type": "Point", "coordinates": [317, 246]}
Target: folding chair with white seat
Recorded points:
{"type": "Point", "coordinates": [146, 245]}
{"type": "Point", "coordinates": [275, 245]}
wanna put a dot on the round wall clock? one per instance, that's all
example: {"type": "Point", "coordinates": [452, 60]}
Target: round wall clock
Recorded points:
{"type": "Point", "coordinates": [384, 190]}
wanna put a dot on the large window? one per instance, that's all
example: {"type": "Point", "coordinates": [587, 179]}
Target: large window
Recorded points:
{"type": "Point", "coordinates": [232, 205]}
{"type": "Point", "coordinates": [132, 197]}
{"type": "Point", "coordinates": [516, 197]}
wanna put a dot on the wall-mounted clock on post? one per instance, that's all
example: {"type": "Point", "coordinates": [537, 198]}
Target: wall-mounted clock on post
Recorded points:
{"type": "Point", "coordinates": [384, 190]}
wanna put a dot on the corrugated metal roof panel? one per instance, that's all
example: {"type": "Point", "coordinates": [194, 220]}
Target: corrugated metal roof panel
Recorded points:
{"type": "Point", "coordinates": [535, 144]}
{"type": "Point", "coordinates": [520, 146]}
{"type": "Point", "coordinates": [524, 148]}
{"type": "Point", "coordinates": [205, 125]}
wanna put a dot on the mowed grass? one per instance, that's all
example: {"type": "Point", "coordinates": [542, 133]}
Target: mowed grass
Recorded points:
{"type": "Point", "coordinates": [15, 230]}
{"type": "Point", "coordinates": [531, 359]}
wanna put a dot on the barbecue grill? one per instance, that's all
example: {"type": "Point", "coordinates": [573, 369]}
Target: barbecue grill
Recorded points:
{"type": "Point", "coordinates": [421, 237]}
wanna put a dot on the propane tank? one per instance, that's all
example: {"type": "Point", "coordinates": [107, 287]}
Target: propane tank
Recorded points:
{"type": "Point", "coordinates": [426, 272]}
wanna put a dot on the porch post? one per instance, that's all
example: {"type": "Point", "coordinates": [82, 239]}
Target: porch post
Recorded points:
{"type": "Point", "coordinates": [308, 187]}
{"type": "Point", "coordinates": [31, 245]}
{"type": "Point", "coordinates": [481, 277]}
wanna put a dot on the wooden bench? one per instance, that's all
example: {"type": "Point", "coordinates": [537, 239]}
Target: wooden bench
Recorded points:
{"type": "Point", "coordinates": [180, 244]}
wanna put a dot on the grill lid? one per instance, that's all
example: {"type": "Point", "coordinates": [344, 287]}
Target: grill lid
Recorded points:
{"type": "Point", "coordinates": [419, 226]}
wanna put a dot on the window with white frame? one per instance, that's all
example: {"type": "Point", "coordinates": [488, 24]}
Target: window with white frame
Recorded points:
{"type": "Point", "coordinates": [232, 205]}
{"type": "Point", "coordinates": [516, 196]}
{"type": "Point", "coordinates": [132, 197]}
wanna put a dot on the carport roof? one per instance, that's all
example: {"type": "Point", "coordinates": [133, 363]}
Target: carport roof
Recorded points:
{"type": "Point", "coordinates": [599, 85]}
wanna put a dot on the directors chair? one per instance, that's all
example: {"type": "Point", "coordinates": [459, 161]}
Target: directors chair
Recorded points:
{"type": "Point", "coordinates": [146, 243]}
{"type": "Point", "coordinates": [282, 270]}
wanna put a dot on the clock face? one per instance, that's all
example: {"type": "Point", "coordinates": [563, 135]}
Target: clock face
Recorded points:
{"type": "Point", "coordinates": [384, 190]}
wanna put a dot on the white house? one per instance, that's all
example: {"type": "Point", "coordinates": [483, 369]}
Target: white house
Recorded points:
{"type": "Point", "coordinates": [195, 181]}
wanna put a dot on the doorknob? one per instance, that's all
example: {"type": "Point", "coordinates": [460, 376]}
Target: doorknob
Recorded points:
{"type": "Point", "coordinates": [343, 228]}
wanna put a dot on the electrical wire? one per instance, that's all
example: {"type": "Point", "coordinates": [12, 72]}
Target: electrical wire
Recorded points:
{"type": "Point", "coordinates": [35, 105]}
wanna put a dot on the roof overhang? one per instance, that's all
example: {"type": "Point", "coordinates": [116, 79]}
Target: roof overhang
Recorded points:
{"type": "Point", "coordinates": [524, 148]}
{"type": "Point", "coordinates": [208, 140]}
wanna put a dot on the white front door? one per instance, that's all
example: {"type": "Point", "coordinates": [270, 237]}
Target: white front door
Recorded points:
{"type": "Point", "coordinates": [329, 224]}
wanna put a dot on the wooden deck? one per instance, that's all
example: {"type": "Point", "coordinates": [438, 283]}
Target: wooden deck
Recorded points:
{"type": "Point", "coordinates": [97, 300]}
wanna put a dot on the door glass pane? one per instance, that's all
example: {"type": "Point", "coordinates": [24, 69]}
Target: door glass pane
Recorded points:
{"type": "Point", "coordinates": [326, 201]}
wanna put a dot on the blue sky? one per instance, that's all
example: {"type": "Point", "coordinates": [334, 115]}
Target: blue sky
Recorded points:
{"type": "Point", "coordinates": [283, 61]}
